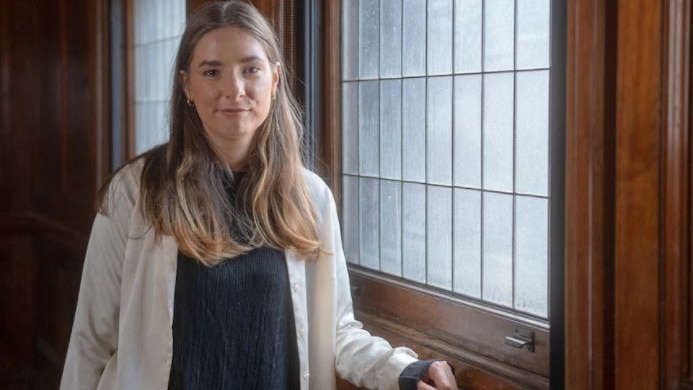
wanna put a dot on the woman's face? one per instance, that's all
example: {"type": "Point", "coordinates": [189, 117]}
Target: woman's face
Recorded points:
{"type": "Point", "coordinates": [232, 84]}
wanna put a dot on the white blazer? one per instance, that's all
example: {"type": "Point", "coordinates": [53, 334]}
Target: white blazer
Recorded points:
{"type": "Point", "coordinates": [121, 336]}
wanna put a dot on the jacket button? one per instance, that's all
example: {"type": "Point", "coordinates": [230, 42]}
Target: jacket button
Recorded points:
{"type": "Point", "coordinates": [306, 375]}
{"type": "Point", "coordinates": [295, 286]}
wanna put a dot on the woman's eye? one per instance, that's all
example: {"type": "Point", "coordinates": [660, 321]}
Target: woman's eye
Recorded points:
{"type": "Point", "coordinates": [211, 72]}
{"type": "Point", "coordinates": [252, 69]}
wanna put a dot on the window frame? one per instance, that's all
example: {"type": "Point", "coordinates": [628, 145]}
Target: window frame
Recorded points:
{"type": "Point", "coordinates": [436, 322]}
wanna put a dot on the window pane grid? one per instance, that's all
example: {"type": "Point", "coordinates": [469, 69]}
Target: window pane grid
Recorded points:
{"type": "Point", "coordinates": [158, 26]}
{"type": "Point", "coordinates": [453, 145]}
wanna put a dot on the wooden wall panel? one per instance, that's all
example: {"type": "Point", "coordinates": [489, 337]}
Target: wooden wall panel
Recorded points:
{"type": "Point", "coordinates": [53, 129]}
{"type": "Point", "coordinates": [676, 149]}
{"type": "Point", "coordinates": [639, 128]}
{"type": "Point", "coordinates": [628, 190]}
{"type": "Point", "coordinates": [64, 181]}
{"type": "Point", "coordinates": [19, 102]}
{"type": "Point", "coordinates": [17, 301]}
{"type": "Point", "coordinates": [588, 190]}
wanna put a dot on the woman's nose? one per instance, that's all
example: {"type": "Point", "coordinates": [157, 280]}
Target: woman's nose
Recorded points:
{"type": "Point", "coordinates": [234, 87]}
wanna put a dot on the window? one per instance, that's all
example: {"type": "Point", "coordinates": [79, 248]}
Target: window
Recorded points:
{"type": "Point", "coordinates": [446, 190]}
{"type": "Point", "coordinates": [158, 25]}
{"type": "Point", "coordinates": [144, 37]}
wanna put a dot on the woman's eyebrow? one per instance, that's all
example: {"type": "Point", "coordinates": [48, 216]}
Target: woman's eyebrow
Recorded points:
{"type": "Point", "coordinates": [213, 63]}
{"type": "Point", "coordinates": [251, 58]}
{"type": "Point", "coordinates": [209, 63]}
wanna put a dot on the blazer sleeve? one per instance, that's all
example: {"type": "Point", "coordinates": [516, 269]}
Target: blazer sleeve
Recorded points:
{"type": "Point", "coordinates": [360, 358]}
{"type": "Point", "coordinates": [94, 336]}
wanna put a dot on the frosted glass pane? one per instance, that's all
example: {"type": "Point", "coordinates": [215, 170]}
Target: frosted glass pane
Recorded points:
{"type": "Point", "coordinates": [153, 131]}
{"type": "Point", "coordinates": [369, 128]}
{"type": "Point", "coordinates": [140, 117]}
{"type": "Point", "coordinates": [138, 25]}
{"type": "Point", "coordinates": [531, 256]}
{"type": "Point", "coordinates": [350, 218]}
{"type": "Point", "coordinates": [533, 34]}
{"type": "Point", "coordinates": [439, 131]}
{"type": "Point", "coordinates": [143, 69]}
{"type": "Point", "coordinates": [170, 14]}
{"type": "Point", "coordinates": [369, 38]}
{"type": "Point", "coordinates": [497, 255]}
{"type": "Point", "coordinates": [158, 18]}
{"type": "Point", "coordinates": [391, 231]}
{"type": "Point", "coordinates": [532, 124]}
{"type": "Point", "coordinates": [151, 124]}
{"type": "Point", "coordinates": [163, 125]}
{"type": "Point", "coordinates": [468, 16]}
{"type": "Point", "coordinates": [439, 233]}
{"type": "Point", "coordinates": [179, 21]}
{"type": "Point", "coordinates": [413, 129]}
{"type": "Point", "coordinates": [499, 35]}
{"type": "Point", "coordinates": [391, 129]}
{"type": "Point", "coordinates": [141, 9]}
{"type": "Point", "coordinates": [163, 92]}
{"type": "Point", "coordinates": [467, 242]}
{"type": "Point", "coordinates": [139, 73]}
{"type": "Point", "coordinates": [440, 36]}
{"type": "Point", "coordinates": [159, 85]}
{"type": "Point", "coordinates": [369, 238]}
{"type": "Point", "coordinates": [414, 231]}
{"type": "Point", "coordinates": [170, 57]}
{"type": "Point", "coordinates": [148, 35]}
{"type": "Point", "coordinates": [390, 38]}
{"type": "Point", "coordinates": [350, 39]}
{"type": "Point", "coordinates": [154, 56]}
{"type": "Point", "coordinates": [498, 132]}
{"type": "Point", "coordinates": [413, 37]}
{"type": "Point", "coordinates": [167, 14]}
{"type": "Point", "coordinates": [350, 128]}
{"type": "Point", "coordinates": [467, 130]}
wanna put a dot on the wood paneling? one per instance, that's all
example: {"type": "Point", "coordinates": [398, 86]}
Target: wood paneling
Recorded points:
{"type": "Point", "coordinates": [472, 332]}
{"type": "Point", "coordinates": [676, 185]}
{"type": "Point", "coordinates": [588, 191]}
{"type": "Point", "coordinates": [639, 126]}
{"type": "Point", "coordinates": [330, 117]}
{"type": "Point", "coordinates": [54, 148]}
{"type": "Point", "coordinates": [628, 195]}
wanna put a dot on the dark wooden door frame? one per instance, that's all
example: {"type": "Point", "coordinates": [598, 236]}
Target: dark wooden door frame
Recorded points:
{"type": "Point", "coordinates": [628, 265]}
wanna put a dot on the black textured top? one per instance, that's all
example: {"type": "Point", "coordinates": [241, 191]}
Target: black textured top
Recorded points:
{"type": "Point", "coordinates": [233, 324]}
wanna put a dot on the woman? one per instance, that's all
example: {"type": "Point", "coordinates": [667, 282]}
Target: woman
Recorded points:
{"type": "Point", "coordinates": [215, 260]}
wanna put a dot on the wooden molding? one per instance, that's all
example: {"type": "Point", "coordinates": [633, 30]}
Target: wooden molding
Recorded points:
{"type": "Point", "coordinates": [129, 106]}
{"type": "Point", "coordinates": [628, 195]}
{"type": "Point", "coordinates": [101, 90]}
{"type": "Point", "coordinates": [588, 247]}
{"type": "Point", "coordinates": [330, 125]}
{"type": "Point", "coordinates": [409, 310]}
{"type": "Point", "coordinates": [637, 254]}
{"type": "Point", "coordinates": [676, 186]}
{"type": "Point", "coordinates": [473, 371]}
{"type": "Point", "coordinates": [33, 223]}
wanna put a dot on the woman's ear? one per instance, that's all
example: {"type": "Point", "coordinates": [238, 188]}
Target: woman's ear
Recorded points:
{"type": "Point", "coordinates": [276, 74]}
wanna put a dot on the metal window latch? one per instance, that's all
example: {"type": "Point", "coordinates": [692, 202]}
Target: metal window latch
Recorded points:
{"type": "Point", "coordinates": [521, 338]}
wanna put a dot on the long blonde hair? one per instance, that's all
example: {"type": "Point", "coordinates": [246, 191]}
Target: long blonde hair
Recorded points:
{"type": "Point", "coordinates": [184, 186]}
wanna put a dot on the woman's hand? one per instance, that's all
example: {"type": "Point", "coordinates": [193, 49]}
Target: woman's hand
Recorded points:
{"type": "Point", "coordinates": [439, 376]}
